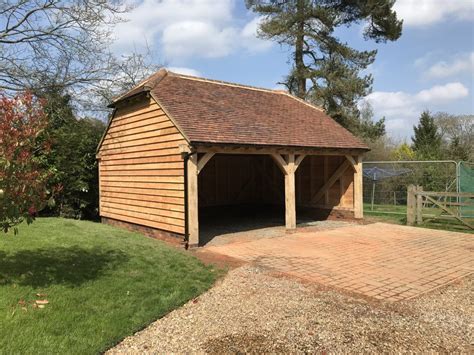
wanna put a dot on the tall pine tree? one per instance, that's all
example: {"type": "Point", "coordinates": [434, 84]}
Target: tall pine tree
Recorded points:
{"type": "Point", "coordinates": [427, 139]}
{"type": "Point", "coordinates": [325, 70]}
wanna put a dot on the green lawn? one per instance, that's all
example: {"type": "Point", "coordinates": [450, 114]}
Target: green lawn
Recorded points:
{"type": "Point", "coordinates": [102, 284]}
{"type": "Point", "coordinates": [397, 215]}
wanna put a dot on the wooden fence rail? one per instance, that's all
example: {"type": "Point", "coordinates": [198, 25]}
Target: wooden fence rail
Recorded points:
{"type": "Point", "coordinates": [447, 204]}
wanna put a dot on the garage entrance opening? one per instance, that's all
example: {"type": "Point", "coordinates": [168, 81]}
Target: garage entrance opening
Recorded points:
{"type": "Point", "coordinates": [239, 193]}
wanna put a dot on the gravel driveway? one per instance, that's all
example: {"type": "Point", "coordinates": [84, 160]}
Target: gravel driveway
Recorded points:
{"type": "Point", "coordinates": [253, 310]}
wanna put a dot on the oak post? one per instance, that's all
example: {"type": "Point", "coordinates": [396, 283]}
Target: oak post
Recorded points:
{"type": "Point", "coordinates": [358, 195]}
{"type": "Point", "coordinates": [193, 216]}
{"type": "Point", "coordinates": [290, 200]}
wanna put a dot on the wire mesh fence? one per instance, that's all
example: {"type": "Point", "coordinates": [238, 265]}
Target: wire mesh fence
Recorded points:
{"type": "Point", "coordinates": [385, 182]}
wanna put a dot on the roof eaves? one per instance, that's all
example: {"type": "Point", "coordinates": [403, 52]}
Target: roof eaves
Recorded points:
{"type": "Point", "coordinates": [277, 146]}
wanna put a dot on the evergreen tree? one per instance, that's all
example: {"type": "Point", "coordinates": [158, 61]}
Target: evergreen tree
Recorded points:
{"type": "Point", "coordinates": [427, 140]}
{"type": "Point", "coordinates": [325, 70]}
{"type": "Point", "coordinates": [72, 159]}
{"type": "Point", "coordinates": [458, 151]}
{"type": "Point", "coordinates": [367, 128]}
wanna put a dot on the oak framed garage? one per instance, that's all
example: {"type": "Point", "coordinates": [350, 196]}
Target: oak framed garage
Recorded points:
{"type": "Point", "coordinates": [171, 140]}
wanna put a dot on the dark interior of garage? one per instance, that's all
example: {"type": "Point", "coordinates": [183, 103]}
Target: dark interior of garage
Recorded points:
{"type": "Point", "coordinates": [239, 193]}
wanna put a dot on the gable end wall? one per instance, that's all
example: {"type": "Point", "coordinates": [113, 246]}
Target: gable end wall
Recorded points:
{"type": "Point", "coordinates": [141, 173]}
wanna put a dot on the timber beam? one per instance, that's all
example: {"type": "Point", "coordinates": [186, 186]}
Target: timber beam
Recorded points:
{"type": "Point", "coordinates": [224, 149]}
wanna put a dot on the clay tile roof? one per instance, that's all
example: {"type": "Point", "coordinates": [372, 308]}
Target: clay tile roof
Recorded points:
{"type": "Point", "coordinates": [209, 111]}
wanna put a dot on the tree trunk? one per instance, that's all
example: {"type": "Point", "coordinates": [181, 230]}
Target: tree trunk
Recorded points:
{"type": "Point", "coordinates": [299, 61]}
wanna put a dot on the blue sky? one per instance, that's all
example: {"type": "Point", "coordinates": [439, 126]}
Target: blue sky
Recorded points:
{"type": "Point", "coordinates": [430, 67]}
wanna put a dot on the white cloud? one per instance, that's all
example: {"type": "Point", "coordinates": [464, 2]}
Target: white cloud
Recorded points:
{"type": "Point", "coordinates": [439, 93]}
{"type": "Point", "coordinates": [427, 12]}
{"type": "Point", "coordinates": [185, 71]}
{"type": "Point", "coordinates": [195, 38]}
{"type": "Point", "coordinates": [392, 104]}
{"type": "Point", "coordinates": [187, 28]}
{"type": "Point", "coordinates": [401, 109]}
{"type": "Point", "coordinates": [250, 38]}
{"type": "Point", "coordinates": [461, 64]}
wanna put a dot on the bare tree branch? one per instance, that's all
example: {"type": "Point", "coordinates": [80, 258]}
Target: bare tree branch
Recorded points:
{"type": "Point", "coordinates": [64, 44]}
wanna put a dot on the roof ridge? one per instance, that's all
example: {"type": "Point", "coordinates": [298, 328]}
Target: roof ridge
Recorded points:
{"type": "Point", "coordinates": [153, 80]}
{"type": "Point", "coordinates": [319, 108]}
{"type": "Point", "coordinates": [226, 83]}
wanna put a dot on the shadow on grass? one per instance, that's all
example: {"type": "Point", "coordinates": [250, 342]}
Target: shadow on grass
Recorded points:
{"type": "Point", "coordinates": [69, 266]}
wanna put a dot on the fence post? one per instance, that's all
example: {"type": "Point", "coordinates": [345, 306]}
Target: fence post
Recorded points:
{"type": "Point", "coordinates": [419, 205]}
{"type": "Point", "coordinates": [411, 205]}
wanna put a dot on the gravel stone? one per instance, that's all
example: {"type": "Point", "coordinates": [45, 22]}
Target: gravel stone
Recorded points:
{"type": "Point", "coordinates": [252, 310]}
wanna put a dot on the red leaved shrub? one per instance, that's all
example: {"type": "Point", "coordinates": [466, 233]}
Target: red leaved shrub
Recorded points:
{"type": "Point", "coordinates": [23, 147]}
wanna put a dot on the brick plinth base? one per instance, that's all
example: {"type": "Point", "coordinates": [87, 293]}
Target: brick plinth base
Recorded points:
{"type": "Point", "coordinates": [169, 237]}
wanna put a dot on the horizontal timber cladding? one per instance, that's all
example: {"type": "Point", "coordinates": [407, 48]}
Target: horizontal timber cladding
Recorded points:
{"type": "Point", "coordinates": [170, 201]}
{"type": "Point", "coordinates": [115, 160]}
{"type": "Point", "coordinates": [153, 179]}
{"type": "Point", "coordinates": [152, 133]}
{"type": "Point", "coordinates": [176, 138]}
{"type": "Point", "coordinates": [161, 121]}
{"type": "Point", "coordinates": [169, 172]}
{"type": "Point", "coordinates": [143, 203]}
{"type": "Point", "coordinates": [144, 166]}
{"type": "Point", "coordinates": [160, 148]}
{"type": "Point", "coordinates": [141, 169]}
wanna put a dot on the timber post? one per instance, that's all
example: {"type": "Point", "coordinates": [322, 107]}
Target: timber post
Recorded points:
{"type": "Point", "coordinates": [193, 215]}
{"type": "Point", "coordinates": [358, 193]}
{"type": "Point", "coordinates": [290, 199]}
